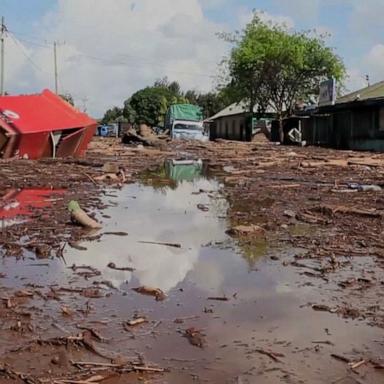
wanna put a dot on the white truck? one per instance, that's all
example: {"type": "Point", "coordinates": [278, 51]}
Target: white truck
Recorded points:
{"type": "Point", "coordinates": [185, 121]}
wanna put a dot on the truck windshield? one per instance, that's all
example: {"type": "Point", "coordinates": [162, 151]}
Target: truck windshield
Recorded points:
{"type": "Point", "coordinates": [189, 127]}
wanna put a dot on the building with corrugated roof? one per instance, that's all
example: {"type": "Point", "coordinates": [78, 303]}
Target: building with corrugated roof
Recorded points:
{"type": "Point", "coordinates": [355, 121]}
{"type": "Point", "coordinates": [235, 122]}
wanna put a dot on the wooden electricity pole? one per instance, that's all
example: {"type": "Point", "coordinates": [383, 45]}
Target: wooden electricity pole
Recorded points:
{"type": "Point", "coordinates": [2, 59]}
{"type": "Point", "coordinates": [55, 64]}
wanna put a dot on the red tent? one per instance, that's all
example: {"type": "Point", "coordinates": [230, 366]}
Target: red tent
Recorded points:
{"type": "Point", "coordinates": [43, 125]}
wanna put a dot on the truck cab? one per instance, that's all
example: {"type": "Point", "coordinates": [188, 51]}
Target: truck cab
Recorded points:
{"type": "Point", "coordinates": [188, 130]}
{"type": "Point", "coordinates": [185, 121]}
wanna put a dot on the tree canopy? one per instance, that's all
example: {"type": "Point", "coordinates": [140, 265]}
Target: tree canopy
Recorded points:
{"type": "Point", "coordinates": [270, 65]}
{"type": "Point", "coordinates": [150, 104]}
{"type": "Point", "coordinates": [112, 115]}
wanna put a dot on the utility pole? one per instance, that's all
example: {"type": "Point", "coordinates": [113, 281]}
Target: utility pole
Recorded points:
{"type": "Point", "coordinates": [55, 63]}
{"type": "Point", "coordinates": [2, 38]}
{"type": "Point", "coordinates": [367, 78]}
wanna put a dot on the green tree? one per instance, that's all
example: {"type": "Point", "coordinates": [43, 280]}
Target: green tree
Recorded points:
{"type": "Point", "coordinates": [272, 66]}
{"type": "Point", "coordinates": [112, 115]}
{"type": "Point", "coordinates": [149, 105]}
{"type": "Point", "coordinates": [146, 106]}
{"type": "Point", "coordinates": [210, 103]}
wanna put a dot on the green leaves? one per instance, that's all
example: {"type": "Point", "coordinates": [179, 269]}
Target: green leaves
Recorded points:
{"type": "Point", "coordinates": [272, 66]}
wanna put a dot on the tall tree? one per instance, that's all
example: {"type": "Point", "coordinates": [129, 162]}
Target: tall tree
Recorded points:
{"type": "Point", "coordinates": [272, 66]}
{"type": "Point", "coordinates": [149, 105]}
{"type": "Point", "coordinates": [112, 115]}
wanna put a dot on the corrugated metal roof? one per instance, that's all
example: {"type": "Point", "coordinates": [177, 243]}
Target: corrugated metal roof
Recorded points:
{"type": "Point", "coordinates": [43, 112]}
{"type": "Point", "coordinates": [374, 91]}
{"type": "Point", "coordinates": [237, 109]}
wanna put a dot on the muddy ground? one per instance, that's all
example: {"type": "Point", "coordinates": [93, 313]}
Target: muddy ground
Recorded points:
{"type": "Point", "coordinates": [265, 266]}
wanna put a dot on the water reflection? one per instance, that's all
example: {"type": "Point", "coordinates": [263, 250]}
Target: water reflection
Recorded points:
{"type": "Point", "coordinates": [183, 170]}
{"type": "Point", "coordinates": [166, 216]}
{"type": "Point", "coordinates": [17, 204]}
{"type": "Point", "coordinates": [172, 172]}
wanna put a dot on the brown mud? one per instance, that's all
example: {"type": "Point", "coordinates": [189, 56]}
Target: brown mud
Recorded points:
{"type": "Point", "coordinates": [265, 265]}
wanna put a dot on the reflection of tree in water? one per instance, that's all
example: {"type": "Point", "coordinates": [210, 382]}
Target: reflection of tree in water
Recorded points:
{"type": "Point", "coordinates": [157, 179]}
{"type": "Point", "coordinates": [252, 251]}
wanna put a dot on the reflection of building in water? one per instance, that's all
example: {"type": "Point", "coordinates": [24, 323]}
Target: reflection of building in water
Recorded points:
{"type": "Point", "coordinates": [183, 170]}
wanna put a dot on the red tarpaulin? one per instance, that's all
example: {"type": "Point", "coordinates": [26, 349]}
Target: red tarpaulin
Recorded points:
{"type": "Point", "coordinates": [43, 125]}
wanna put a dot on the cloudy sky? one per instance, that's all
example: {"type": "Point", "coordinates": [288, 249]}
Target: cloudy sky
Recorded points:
{"type": "Point", "coordinates": [110, 48]}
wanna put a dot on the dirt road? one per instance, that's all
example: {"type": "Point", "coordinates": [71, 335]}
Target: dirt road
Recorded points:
{"type": "Point", "coordinates": [260, 264]}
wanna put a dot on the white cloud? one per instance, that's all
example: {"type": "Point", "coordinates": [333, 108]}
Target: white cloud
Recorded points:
{"type": "Point", "coordinates": [355, 80]}
{"type": "Point", "coordinates": [245, 15]}
{"type": "Point", "coordinates": [213, 4]}
{"type": "Point", "coordinates": [374, 62]}
{"type": "Point", "coordinates": [112, 48]}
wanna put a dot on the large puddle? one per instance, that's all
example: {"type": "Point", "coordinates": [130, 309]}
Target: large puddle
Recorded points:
{"type": "Point", "coordinates": [267, 306]}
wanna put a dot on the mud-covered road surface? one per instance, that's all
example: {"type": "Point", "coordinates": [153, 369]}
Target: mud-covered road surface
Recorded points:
{"type": "Point", "coordinates": [258, 264]}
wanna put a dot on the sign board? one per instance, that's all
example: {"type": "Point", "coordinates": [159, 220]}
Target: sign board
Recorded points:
{"type": "Point", "coordinates": [327, 92]}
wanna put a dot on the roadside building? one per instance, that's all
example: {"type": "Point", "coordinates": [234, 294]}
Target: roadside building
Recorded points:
{"type": "Point", "coordinates": [43, 125]}
{"type": "Point", "coordinates": [354, 121]}
{"type": "Point", "coordinates": [236, 123]}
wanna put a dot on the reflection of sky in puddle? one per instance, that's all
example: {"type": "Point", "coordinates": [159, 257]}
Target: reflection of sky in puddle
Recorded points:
{"type": "Point", "coordinates": [166, 215]}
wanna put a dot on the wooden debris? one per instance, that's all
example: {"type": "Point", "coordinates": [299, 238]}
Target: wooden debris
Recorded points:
{"type": "Point", "coordinates": [136, 321]}
{"type": "Point", "coordinates": [174, 245]}
{"type": "Point", "coordinates": [113, 266]}
{"type": "Point", "coordinates": [195, 337]}
{"type": "Point", "coordinates": [218, 298]}
{"type": "Point", "coordinates": [156, 292]}
{"type": "Point", "coordinates": [273, 355]}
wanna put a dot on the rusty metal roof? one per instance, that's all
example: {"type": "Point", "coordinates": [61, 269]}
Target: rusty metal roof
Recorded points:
{"type": "Point", "coordinates": [375, 91]}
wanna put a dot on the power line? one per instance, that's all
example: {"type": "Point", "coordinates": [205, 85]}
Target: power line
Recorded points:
{"type": "Point", "coordinates": [157, 63]}
{"type": "Point", "coordinates": [133, 65]}
{"type": "Point", "coordinates": [18, 43]}
{"type": "Point", "coordinates": [30, 42]}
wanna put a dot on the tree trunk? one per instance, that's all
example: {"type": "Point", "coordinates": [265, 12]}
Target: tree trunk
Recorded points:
{"type": "Point", "coordinates": [281, 130]}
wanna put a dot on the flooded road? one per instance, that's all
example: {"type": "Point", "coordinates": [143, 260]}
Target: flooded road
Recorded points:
{"type": "Point", "coordinates": [253, 315]}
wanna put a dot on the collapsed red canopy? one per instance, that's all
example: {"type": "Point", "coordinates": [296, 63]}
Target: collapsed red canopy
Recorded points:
{"type": "Point", "coordinates": [45, 112]}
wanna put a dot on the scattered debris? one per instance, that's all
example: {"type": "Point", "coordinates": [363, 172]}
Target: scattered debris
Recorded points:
{"type": "Point", "coordinates": [156, 292]}
{"type": "Point", "coordinates": [113, 266]}
{"type": "Point", "coordinates": [222, 298]}
{"type": "Point", "coordinates": [173, 245]}
{"type": "Point", "coordinates": [195, 337]}
{"type": "Point", "coordinates": [247, 230]}
{"type": "Point", "coordinates": [273, 355]}
{"type": "Point", "coordinates": [81, 217]}
{"type": "Point", "coordinates": [136, 321]}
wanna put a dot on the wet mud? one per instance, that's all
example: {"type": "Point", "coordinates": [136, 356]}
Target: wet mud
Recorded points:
{"type": "Point", "coordinates": [168, 292]}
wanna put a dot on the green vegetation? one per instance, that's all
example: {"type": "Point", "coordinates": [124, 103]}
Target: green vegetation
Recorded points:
{"type": "Point", "coordinates": [272, 66]}
{"type": "Point", "coordinates": [149, 105]}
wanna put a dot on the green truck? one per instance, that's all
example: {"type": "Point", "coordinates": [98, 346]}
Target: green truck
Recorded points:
{"type": "Point", "coordinates": [185, 121]}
